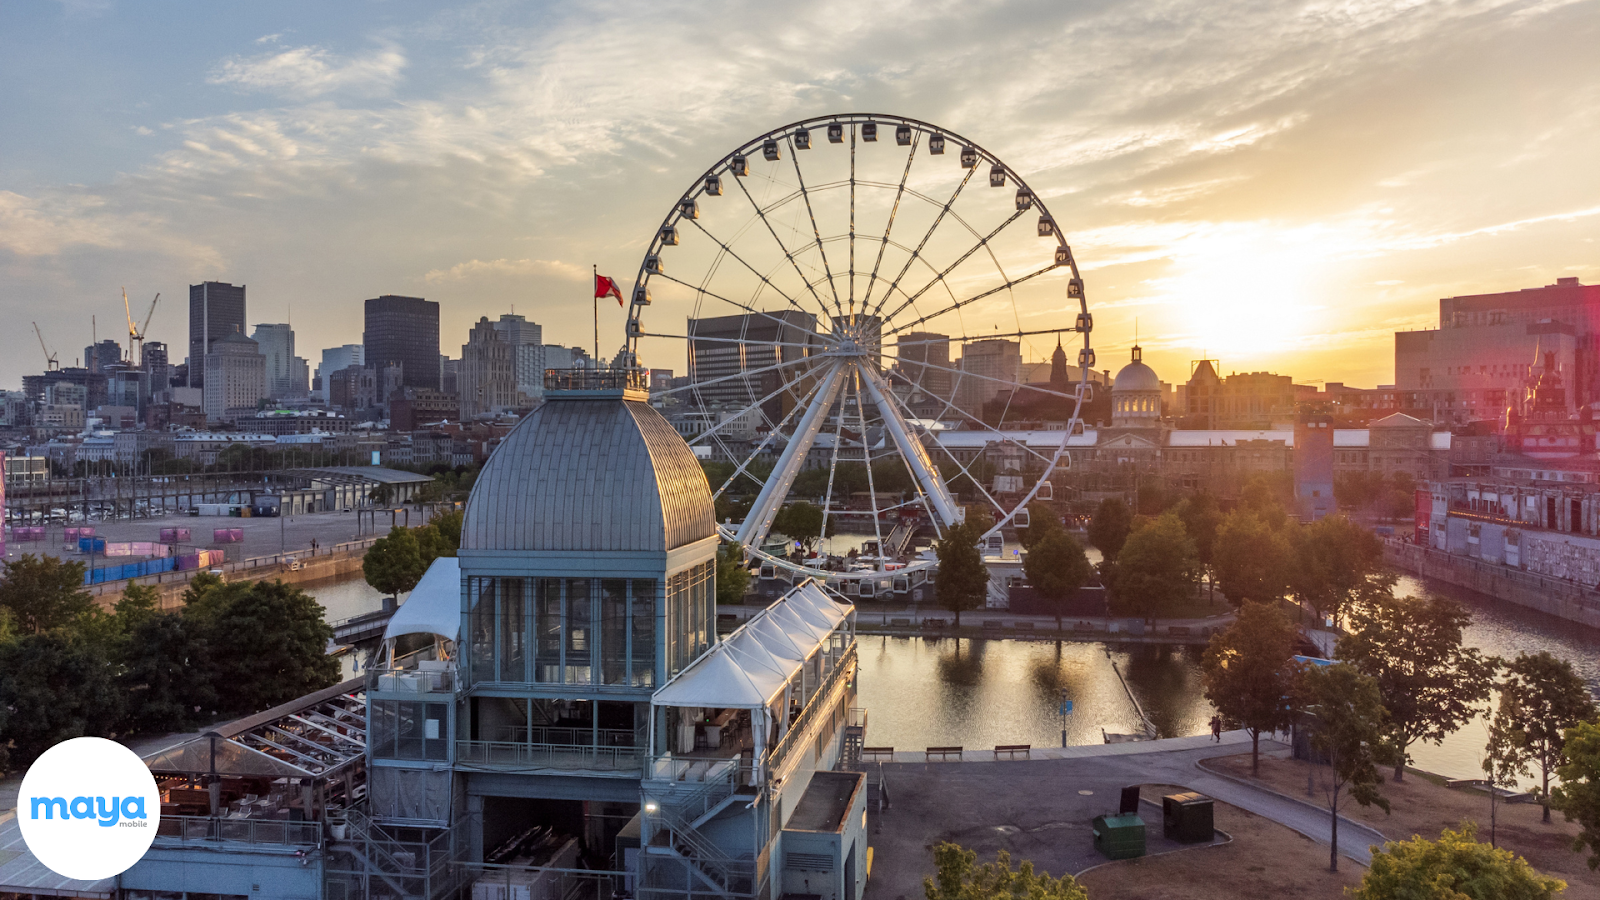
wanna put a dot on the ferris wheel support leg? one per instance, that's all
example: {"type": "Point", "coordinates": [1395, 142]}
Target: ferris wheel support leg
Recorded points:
{"type": "Point", "coordinates": [772, 495]}
{"type": "Point", "coordinates": [911, 449]}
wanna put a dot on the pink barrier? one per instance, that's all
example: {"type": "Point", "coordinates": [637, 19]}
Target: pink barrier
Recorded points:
{"type": "Point", "coordinates": [28, 533]}
{"type": "Point", "coordinates": [137, 548]}
{"type": "Point", "coordinates": [227, 535]}
{"type": "Point", "coordinates": [170, 535]}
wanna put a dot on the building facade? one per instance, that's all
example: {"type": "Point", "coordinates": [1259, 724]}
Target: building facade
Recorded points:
{"type": "Point", "coordinates": [287, 375]}
{"type": "Point", "coordinates": [216, 310]}
{"type": "Point", "coordinates": [236, 378]}
{"type": "Point", "coordinates": [485, 378]}
{"type": "Point", "coordinates": [987, 368]}
{"type": "Point", "coordinates": [403, 331]}
{"type": "Point", "coordinates": [334, 359]}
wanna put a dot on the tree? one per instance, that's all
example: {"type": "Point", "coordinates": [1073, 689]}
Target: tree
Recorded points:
{"type": "Point", "coordinates": [1266, 494]}
{"type": "Point", "coordinates": [1056, 567]}
{"type": "Point", "coordinates": [1431, 685]}
{"type": "Point", "coordinates": [1335, 562]}
{"type": "Point", "coordinates": [393, 564]}
{"type": "Point", "coordinates": [165, 674]}
{"type": "Point", "coordinates": [959, 877]}
{"type": "Point", "coordinates": [1251, 559]}
{"type": "Point", "coordinates": [1578, 795]}
{"type": "Point", "coordinates": [962, 581]}
{"type": "Point", "coordinates": [801, 521]}
{"type": "Point", "coordinates": [733, 576]}
{"type": "Point", "coordinates": [1248, 670]}
{"type": "Point", "coordinates": [449, 526]}
{"type": "Point", "coordinates": [1042, 520]}
{"type": "Point", "coordinates": [55, 686]}
{"type": "Point", "coordinates": [1348, 728]}
{"type": "Point", "coordinates": [1109, 528]}
{"type": "Point", "coordinates": [1201, 518]}
{"type": "Point", "coordinates": [43, 593]}
{"type": "Point", "coordinates": [267, 643]}
{"type": "Point", "coordinates": [1540, 698]}
{"type": "Point", "coordinates": [1455, 867]}
{"type": "Point", "coordinates": [1156, 568]}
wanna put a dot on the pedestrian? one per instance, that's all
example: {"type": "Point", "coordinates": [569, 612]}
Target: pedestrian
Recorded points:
{"type": "Point", "coordinates": [1216, 729]}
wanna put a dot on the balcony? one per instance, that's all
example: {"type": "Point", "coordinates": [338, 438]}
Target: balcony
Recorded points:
{"type": "Point", "coordinates": [195, 830]}
{"type": "Point", "coordinates": [527, 756]}
{"type": "Point", "coordinates": [414, 673]}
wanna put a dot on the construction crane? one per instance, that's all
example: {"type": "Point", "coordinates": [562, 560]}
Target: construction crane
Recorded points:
{"type": "Point", "coordinates": [49, 358]}
{"type": "Point", "coordinates": [136, 335]}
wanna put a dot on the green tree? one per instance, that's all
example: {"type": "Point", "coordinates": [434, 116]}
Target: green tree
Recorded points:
{"type": "Point", "coordinates": [1455, 867]}
{"type": "Point", "coordinates": [267, 643]}
{"type": "Point", "coordinates": [733, 575]}
{"type": "Point", "coordinates": [43, 593]}
{"type": "Point", "coordinates": [1578, 795]}
{"type": "Point", "coordinates": [1266, 494]}
{"type": "Point", "coordinates": [449, 526]}
{"type": "Point", "coordinates": [165, 674]}
{"type": "Point", "coordinates": [1335, 562]}
{"type": "Point", "coordinates": [1156, 568]}
{"type": "Point", "coordinates": [1109, 528]}
{"type": "Point", "coordinates": [800, 521]}
{"type": "Point", "coordinates": [393, 564]}
{"type": "Point", "coordinates": [1248, 670]}
{"type": "Point", "coordinates": [1251, 559]}
{"type": "Point", "coordinates": [55, 686]}
{"type": "Point", "coordinates": [1431, 684]}
{"type": "Point", "coordinates": [1056, 567]}
{"type": "Point", "coordinates": [959, 877]}
{"type": "Point", "coordinates": [1042, 520]}
{"type": "Point", "coordinates": [1540, 698]}
{"type": "Point", "coordinates": [962, 581]}
{"type": "Point", "coordinates": [1201, 518]}
{"type": "Point", "coordinates": [1348, 728]}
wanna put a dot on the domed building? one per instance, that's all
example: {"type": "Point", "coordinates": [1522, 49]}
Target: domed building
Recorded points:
{"type": "Point", "coordinates": [1136, 395]}
{"type": "Point", "coordinates": [577, 687]}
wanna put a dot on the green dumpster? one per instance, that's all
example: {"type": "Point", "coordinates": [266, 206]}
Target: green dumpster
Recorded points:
{"type": "Point", "coordinates": [1187, 818]}
{"type": "Point", "coordinates": [1119, 837]}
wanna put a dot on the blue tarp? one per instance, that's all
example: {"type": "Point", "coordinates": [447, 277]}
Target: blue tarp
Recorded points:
{"type": "Point", "coordinates": [130, 570]}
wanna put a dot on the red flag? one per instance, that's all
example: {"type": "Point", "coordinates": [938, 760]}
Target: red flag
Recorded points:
{"type": "Point", "coordinates": [605, 287]}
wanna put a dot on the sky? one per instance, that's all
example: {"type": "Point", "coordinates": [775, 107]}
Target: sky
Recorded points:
{"type": "Point", "coordinates": [1278, 186]}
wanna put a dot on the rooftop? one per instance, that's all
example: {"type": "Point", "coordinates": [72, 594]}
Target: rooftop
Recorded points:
{"type": "Point", "coordinates": [826, 801]}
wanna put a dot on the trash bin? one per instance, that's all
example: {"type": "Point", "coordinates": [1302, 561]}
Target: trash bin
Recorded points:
{"type": "Point", "coordinates": [1187, 818]}
{"type": "Point", "coordinates": [1119, 837]}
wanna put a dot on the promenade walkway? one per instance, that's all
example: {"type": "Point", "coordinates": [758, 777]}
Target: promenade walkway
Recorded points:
{"type": "Point", "coordinates": [1040, 808]}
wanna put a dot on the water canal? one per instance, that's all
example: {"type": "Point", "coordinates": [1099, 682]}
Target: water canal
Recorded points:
{"type": "Point", "coordinates": [980, 693]}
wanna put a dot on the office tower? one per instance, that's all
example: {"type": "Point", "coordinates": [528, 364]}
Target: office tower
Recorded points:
{"type": "Point", "coordinates": [236, 377]}
{"type": "Point", "coordinates": [287, 374]}
{"type": "Point", "coordinates": [403, 331]}
{"type": "Point", "coordinates": [987, 367]}
{"type": "Point", "coordinates": [335, 359]}
{"type": "Point", "coordinates": [216, 310]}
{"type": "Point", "coordinates": [101, 356]}
{"type": "Point", "coordinates": [527, 353]}
{"type": "Point", "coordinates": [157, 369]}
{"type": "Point", "coordinates": [449, 374]}
{"type": "Point", "coordinates": [731, 345]}
{"type": "Point", "coordinates": [485, 378]}
{"type": "Point", "coordinates": [924, 360]}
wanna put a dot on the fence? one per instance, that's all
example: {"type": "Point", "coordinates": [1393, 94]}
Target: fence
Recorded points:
{"type": "Point", "coordinates": [194, 829]}
{"type": "Point", "coordinates": [227, 536]}
{"type": "Point", "coordinates": [174, 535]}
{"type": "Point", "coordinates": [245, 565]}
{"type": "Point", "coordinates": [198, 560]}
{"type": "Point", "coordinates": [28, 533]}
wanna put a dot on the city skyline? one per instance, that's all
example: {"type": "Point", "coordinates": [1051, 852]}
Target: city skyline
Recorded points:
{"type": "Point", "coordinates": [1281, 190]}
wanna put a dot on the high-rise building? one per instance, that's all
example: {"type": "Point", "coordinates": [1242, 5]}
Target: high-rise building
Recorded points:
{"type": "Point", "coordinates": [486, 380]}
{"type": "Point", "coordinates": [287, 374]}
{"type": "Point", "coordinates": [988, 367]}
{"type": "Point", "coordinates": [749, 344]}
{"type": "Point", "coordinates": [335, 359]}
{"type": "Point", "coordinates": [924, 359]}
{"type": "Point", "coordinates": [558, 357]}
{"type": "Point", "coordinates": [100, 357]}
{"type": "Point", "coordinates": [236, 377]}
{"type": "Point", "coordinates": [404, 331]}
{"type": "Point", "coordinates": [156, 368]}
{"type": "Point", "coordinates": [216, 310]}
{"type": "Point", "coordinates": [527, 353]}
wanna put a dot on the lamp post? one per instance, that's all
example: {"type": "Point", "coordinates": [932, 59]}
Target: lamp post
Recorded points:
{"type": "Point", "coordinates": [1066, 708]}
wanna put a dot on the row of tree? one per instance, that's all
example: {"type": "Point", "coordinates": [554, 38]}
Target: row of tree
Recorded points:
{"type": "Point", "coordinates": [69, 668]}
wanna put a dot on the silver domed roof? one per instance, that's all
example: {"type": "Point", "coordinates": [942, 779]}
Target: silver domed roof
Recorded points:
{"type": "Point", "coordinates": [588, 475]}
{"type": "Point", "coordinates": [1136, 376]}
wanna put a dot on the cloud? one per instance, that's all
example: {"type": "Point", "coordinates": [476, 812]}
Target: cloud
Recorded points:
{"type": "Point", "coordinates": [507, 268]}
{"type": "Point", "coordinates": [313, 71]}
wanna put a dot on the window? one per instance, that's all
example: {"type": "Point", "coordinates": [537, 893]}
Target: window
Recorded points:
{"type": "Point", "coordinates": [580, 617]}
{"type": "Point", "coordinates": [547, 631]}
{"type": "Point", "coordinates": [480, 626]}
{"type": "Point", "coordinates": [513, 631]}
{"type": "Point", "coordinates": [644, 632]}
{"type": "Point", "coordinates": [614, 631]}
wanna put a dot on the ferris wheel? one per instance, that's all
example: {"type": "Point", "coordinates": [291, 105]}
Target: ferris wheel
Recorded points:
{"type": "Point", "coordinates": [812, 283]}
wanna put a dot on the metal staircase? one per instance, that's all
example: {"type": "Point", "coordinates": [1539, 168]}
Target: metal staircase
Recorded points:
{"type": "Point", "coordinates": [855, 736]}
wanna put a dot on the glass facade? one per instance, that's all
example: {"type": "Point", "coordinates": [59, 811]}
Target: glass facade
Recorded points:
{"type": "Point", "coordinates": [408, 729]}
{"type": "Point", "coordinates": [585, 630]}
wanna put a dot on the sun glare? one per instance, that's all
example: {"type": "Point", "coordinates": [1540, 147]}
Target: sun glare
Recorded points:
{"type": "Point", "coordinates": [1239, 294]}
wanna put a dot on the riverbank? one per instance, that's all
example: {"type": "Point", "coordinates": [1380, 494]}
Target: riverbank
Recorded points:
{"type": "Point", "coordinates": [339, 562]}
{"type": "Point", "coordinates": [1564, 599]}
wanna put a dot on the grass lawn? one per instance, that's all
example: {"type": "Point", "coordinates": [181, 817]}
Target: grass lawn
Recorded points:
{"type": "Point", "coordinates": [1424, 806]}
{"type": "Point", "coordinates": [1264, 860]}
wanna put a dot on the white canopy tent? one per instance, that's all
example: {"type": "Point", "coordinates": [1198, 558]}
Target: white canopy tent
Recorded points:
{"type": "Point", "coordinates": [434, 606]}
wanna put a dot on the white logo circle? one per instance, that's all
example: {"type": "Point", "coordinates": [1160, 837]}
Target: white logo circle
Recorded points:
{"type": "Point", "coordinates": [88, 808]}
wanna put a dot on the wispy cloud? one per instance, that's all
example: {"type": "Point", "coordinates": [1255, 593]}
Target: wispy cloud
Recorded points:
{"type": "Point", "coordinates": [313, 71]}
{"type": "Point", "coordinates": [507, 268]}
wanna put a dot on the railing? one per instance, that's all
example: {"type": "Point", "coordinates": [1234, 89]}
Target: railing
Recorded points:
{"type": "Point", "coordinates": [542, 734]}
{"type": "Point", "coordinates": [691, 788]}
{"type": "Point", "coordinates": [822, 697]}
{"type": "Point", "coordinates": [499, 882]}
{"type": "Point", "coordinates": [594, 379]}
{"type": "Point", "coordinates": [410, 681]}
{"type": "Point", "coordinates": [519, 756]}
{"type": "Point", "coordinates": [856, 717]}
{"type": "Point", "coordinates": [195, 829]}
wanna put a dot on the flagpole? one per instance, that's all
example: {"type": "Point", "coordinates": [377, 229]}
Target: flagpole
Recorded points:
{"type": "Point", "coordinates": [596, 293]}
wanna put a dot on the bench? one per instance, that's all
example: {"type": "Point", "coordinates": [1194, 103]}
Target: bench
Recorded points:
{"type": "Point", "coordinates": [875, 753]}
{"type": "Point", "coordinates": [992, 623]}
{"type": "Point", "coordinates": [1024, 626]}
{"type": "Point", "coordinates": [943, 753]}
{"type": "Point", "coordinates": [1011, 751]}
{"type": "Point", "coordinates": [903, 623]}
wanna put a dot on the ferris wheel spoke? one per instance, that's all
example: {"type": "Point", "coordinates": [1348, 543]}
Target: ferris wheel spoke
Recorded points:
{"type": "Point", "coordinates": [822, 305]}
{"type": "Point", "coordinates": [866, 455]}
{"type": "Point", "coordinates": [852, 221]}
{"type": "Point", "coordinates": [964, 470]}
{"type": "Point", "coordinates": [888, 229]}
{"type": "Point", "coordinates": [758, 405]}
{"type": "Point", "coordinates": [726, 248]}
{"type": "Point", "coordinates": [759, 520]}
{"type": "Point", "coordinates": [911, 449]}
{"type": "Point", "coordinates": [1012, 384]}
{"type": "Point", "coordinates": [701, 290]}
{"type": "Point", "coordinates": [981, 244]}
{"type": "Point", "coordinates": [1008, 285]}
{"type": "Point", "coordinates": [753, 342]}
{"type": "Point", "coordinates": [833, 469]}
{"type": "Point", "coordinates": [827, 271]}
{"type": "Point", "coordinates": [696, 386]}
{"type": "Point", "coordinates": [917, 253]}
{"type": "Point", "coordinates": [772, 434]}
